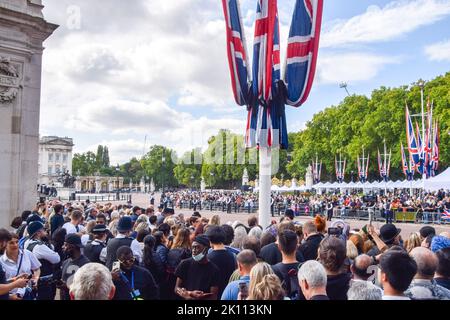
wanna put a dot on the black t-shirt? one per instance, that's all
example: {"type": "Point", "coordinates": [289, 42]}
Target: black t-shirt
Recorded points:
{"type": "Point", "coordinates": [310, 246]}
{"type": "Point", "coordinates": [69, 267]}
{"type": "Point", "coordinates": [272, 255]}
{"type": "Point", "coordinates": [3, 281]}
{"type": "Point", "coordinates": [337, 286]}
{"type": "Point", "coordinates": [141, 281]}
{"type": "Point", "coordinates": [227, 262]}
{"type": "Point", "coordinates": [198, 276]}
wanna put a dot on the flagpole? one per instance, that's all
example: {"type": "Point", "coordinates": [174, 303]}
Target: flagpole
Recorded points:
{"type": "Point", "coordinates": [265, 174]}
{"type": "Point", "coordinates": [421, 84]}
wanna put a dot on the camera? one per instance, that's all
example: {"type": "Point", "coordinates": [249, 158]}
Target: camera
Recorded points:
{"type": "Point", "coordinates": [334, 231]}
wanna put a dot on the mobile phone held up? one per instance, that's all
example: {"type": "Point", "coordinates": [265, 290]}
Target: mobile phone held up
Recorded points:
{"type": "Point", "coordinates": [116, 266]}
{"type": "Point", "coordinates": [243, 289]}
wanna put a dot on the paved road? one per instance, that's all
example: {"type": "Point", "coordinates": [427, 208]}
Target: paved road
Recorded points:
{"type": "Point", "coordinates": [143, 200]}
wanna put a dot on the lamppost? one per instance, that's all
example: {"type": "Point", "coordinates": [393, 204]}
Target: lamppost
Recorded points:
{"type": "Point", "coordinates": [344, 85]}
{"type": "Point", "coordinates": [192, 182]}
{"type": "Point", "coordinates": [352, 172]}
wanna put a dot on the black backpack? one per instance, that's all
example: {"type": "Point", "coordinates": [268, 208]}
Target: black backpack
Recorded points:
{"type": "Point", "coordinates": [291, 285]}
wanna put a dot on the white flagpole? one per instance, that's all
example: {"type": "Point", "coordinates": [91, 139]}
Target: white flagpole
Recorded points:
{"type": "Point", "coordinates": [265, 174]}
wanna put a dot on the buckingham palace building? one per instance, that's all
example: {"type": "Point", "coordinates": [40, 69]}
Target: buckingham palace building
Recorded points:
{"type": "Point", "coordinates": [55, 158]}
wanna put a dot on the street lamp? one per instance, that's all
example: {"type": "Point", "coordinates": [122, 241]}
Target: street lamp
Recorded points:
{"type": "Point", "coordinates": [344, 85]}
{"type": "Point", "coordinates": [192, 182]}
{"type": "Point", "coordinates": [352, 172]}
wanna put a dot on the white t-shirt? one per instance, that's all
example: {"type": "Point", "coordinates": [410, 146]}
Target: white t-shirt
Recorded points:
{"type": "Point", "coordinates": [70, 228]}
{"type": "Point", "coordinates": [29, 263]}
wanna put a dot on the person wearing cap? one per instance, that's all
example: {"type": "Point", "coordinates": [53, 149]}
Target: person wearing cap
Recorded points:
{"type": "Point", "coordinates": [72, 248]}
{"type": "Point", "coordinates": [43, 250]}
{"type": "Point", "coordinates": [124, 229]}
{"type": "Point", "coordinates": [95, 250]}
{"type": "Point", "coordinates": [197, 277]}
{"type": "Point", "coordinates": [389, 236]}
{"type": "Point", "coordinates": [133, 282]}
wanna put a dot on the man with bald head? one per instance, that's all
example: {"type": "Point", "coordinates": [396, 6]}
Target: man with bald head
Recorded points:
{"type": "Point", "coordinates": [423, 286]}
{"type": "Point", "coordinates": [360, 266]}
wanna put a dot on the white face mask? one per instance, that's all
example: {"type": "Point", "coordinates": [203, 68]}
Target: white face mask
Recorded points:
{"type": "Point", "coordinates": [199, 257]}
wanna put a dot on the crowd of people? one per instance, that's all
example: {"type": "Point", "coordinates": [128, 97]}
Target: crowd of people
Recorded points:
{"type": "Point", "coordinates": [91, 251]}
{"type": "Point", "coordinates": [342, 205]}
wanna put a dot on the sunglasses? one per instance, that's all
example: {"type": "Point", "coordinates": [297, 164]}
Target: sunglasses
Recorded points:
{"type": "Point", "coordinates": [131, 260]}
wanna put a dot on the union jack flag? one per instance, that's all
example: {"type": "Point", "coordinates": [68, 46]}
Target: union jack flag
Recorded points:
{"type": "Point", "coordinates": [420, 164]}
{"type": "Point", "coordinates": [340, 169]}
{"type": "Point", "coordinates": [406, 168]}
{"type": "Point", "coordinates": [445, 214]}
{"type": "Point", "coordinates": [435, 152]}
{"type": "Point", "coordinates": [237, 52]}
{"type": "Point", "coordinates": [411, 139]}
{"type": "Point", "coordinates": [303, 45]}
{"type": "Point", "coordinates": [263, 92]}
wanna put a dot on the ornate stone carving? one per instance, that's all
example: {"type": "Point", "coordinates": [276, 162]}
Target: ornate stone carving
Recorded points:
{"type": "Point", "coordinates": [9, 81]}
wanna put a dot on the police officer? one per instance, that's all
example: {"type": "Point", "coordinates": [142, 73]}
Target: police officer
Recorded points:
{"type": "Point", "coordinates": [95, 250]}
{"type": "Point", "coordinates": [40, 246]}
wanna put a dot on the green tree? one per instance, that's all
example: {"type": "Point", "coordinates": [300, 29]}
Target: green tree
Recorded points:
{"type": "Point", "coordinates": [159, 164]}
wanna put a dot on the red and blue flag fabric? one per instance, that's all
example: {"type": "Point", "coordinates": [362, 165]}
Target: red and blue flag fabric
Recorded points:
{"type": "Point", "coordinates": [303, 46]}
{"type": "Point", "coordinates": [445, 214]}
{"type": "Point", "coordinates": [262, 90]}
{"type": "Point", "coordinates": [413, 148]}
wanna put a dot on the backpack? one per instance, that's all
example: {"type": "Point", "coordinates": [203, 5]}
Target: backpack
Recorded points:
{"type": "Point", "coordinates": [291, 285]}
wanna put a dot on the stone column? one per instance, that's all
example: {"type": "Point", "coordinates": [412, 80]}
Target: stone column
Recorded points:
{"type": "Point", "coordinates": [22, 32]}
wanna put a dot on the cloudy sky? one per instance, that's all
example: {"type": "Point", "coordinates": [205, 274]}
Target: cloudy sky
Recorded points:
{"type": "Point", "coordinates": [130, 74]}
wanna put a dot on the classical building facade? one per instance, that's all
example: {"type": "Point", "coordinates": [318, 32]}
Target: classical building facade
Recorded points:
{"type": "Point", "coordinates": [97, 184]}
{"type": "Point", "coordinates": [22, 32]}
{"type": "Point", "coordinates": [55, 158]}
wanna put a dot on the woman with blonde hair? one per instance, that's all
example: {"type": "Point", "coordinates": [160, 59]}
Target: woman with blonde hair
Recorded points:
{"type": "Point", "coordinates": [215, 220]}
{"type": "Point", "coordinates": [264, 283]}
{"type": "Point", "coordinates": [257, 273]}
{"type": "Point", "coordinates": [413, 241]}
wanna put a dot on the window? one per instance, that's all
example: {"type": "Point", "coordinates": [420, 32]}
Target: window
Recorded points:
{"type": "Point", "coordinates": [57, 157]}
{"type": "Point", "coordinates": [50, 157]}
{"type": "Point", "coordinates": [58, 170]}
{"type": "Point", "coordinates": [64, 157]}
{"type": "Point", "coordinates": [50, 170]}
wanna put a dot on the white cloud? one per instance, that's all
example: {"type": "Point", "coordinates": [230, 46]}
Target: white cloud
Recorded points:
{"type": "Point", "coordinates": [439, 51]}
{"type": "Point", "coordinates": [354, 67]}
{"type": "Point", "coordinates": [382, 24]}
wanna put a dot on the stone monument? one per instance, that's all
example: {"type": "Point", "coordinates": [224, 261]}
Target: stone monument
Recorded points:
{"type": "Point", "coordinates": [203, 185]}
{"type": "Point", "coordinates": [309, 177]}
{"type": "Point", "coordinates": [23, 30]}
{"type": "Point", "coordinates": [245, 177]}
{"type": "Point", "coordinates": [152, 186]}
